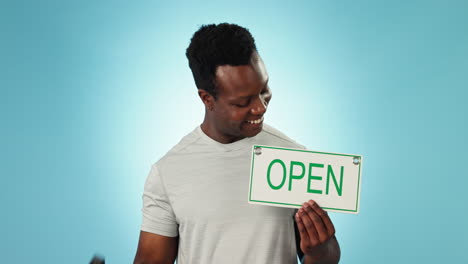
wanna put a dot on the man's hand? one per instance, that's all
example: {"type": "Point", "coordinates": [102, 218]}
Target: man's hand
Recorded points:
{"type": "Point", "coordinates": [317, 233]}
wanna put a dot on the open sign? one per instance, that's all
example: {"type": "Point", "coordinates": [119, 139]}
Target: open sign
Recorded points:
{"type": "Point", "coordinates": [289, 177]}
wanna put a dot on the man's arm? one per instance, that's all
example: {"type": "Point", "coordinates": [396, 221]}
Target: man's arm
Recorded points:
{"type": "Point", "coordinates": [316, 239]}
{"type": "Point", "coordinates": [156, 249]}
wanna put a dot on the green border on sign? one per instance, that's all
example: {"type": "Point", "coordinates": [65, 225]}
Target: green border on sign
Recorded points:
{"type": "Point", "coordinates": [301, 150]}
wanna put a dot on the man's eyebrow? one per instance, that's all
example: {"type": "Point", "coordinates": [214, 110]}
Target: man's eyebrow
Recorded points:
{"type": "Point", "coordinates": [243, 97]}
{"type": "Point", "coordinates": [248, 96]}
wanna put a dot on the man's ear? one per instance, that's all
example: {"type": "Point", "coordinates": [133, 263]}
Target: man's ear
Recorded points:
{"type": "Point", "coordinates": [207, 99]}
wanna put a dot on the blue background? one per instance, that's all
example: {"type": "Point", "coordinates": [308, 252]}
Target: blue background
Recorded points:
{"type": "Point", "coordinates": [94, 92]}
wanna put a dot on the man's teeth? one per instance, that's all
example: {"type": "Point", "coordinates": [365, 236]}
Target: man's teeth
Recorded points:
{"type": "Point", "coordinates": [255, 121]}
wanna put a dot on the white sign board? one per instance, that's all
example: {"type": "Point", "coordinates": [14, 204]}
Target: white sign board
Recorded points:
{"type": "Point", "coordinates": [289, 177]}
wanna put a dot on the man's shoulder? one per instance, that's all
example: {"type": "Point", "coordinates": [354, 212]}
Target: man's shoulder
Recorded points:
{"type": "Point", "coordinates": [186, 143]}
{"type": "Point", "coordinates": [274, 137]}
{"type": "Point", "coordinates": [189, 144]}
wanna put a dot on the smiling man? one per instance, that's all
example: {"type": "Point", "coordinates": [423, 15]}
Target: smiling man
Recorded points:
{"type": "Point", "coordinates": [241, 101]}
{"type": "Point", "coordinates": [195, 205]}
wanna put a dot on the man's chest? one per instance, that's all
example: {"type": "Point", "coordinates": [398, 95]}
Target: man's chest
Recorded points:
{"type": "Point", "coordinates": [215, 189]}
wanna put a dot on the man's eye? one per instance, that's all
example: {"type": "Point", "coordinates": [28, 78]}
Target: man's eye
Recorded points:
{"type": "Point", "coordinates": [243, 103]}
{"type": "Point", "coordinates": [266, 91]}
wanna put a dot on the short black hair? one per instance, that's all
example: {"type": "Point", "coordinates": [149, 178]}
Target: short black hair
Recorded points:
{"type": "Point", "coordinates": [215, 45]}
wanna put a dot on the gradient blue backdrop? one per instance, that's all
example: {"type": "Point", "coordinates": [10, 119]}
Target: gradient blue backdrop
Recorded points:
{"type": "Point", "coordinates": [94, 92]}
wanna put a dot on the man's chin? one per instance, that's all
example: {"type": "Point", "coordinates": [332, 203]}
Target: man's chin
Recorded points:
{"type": "Point", "coordinates": [252, 131]}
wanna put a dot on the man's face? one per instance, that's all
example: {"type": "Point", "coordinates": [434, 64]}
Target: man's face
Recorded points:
{"type": "Point", "coordinates": [242, 98]}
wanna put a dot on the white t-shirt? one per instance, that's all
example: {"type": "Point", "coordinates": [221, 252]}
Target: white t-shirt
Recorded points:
{"type": "Point", "coordinates": [198, 191]}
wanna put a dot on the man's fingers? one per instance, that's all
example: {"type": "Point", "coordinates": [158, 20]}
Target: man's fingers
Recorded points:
{"type": "Point", "coordinates": [317, 221]}
{"type": "Point", "coordinates": [325, 218]}
{"type": "Point", "coordinates": [309, 227]}
{"type": "Point", "coordinates": [301, 228]}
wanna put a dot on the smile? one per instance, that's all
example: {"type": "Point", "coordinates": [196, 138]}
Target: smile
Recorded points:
{"type": "Point", "coordinates": [258, 121]}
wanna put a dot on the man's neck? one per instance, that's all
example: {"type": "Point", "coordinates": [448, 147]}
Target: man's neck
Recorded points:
{"type": "Point", "coordinates": [211, 132]}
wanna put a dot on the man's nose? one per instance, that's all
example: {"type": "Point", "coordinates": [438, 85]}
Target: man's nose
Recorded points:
{"type": "Point", "coordinates": [259, 107]}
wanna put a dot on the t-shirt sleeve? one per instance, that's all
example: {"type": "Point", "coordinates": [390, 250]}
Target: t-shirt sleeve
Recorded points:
{"type": "Point", "coordinates": [158, 216]}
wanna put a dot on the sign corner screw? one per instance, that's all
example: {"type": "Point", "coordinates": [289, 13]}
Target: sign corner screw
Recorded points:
{"type": "Point", "coordinates": [356, 160]}
{"type": "Point", "coordinates": [258, 150]}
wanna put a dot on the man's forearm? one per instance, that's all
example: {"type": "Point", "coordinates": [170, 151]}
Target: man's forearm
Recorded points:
{"type": "Point", "coordinates": [328, 253]}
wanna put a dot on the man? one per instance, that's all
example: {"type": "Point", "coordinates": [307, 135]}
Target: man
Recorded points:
{"type": "Point", "coordinates": [195, 199]}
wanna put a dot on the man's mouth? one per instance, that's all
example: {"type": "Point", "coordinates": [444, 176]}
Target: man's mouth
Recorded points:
{"type": "Point", "coordinates": [258, 121]}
